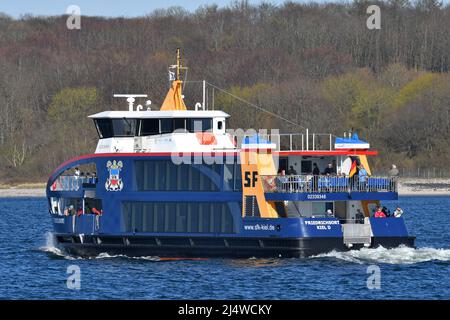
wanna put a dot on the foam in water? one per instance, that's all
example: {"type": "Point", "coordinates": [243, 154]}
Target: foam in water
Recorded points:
{"type": "Point", "coordinates": [400, 255]}
{"type": "Point", "coordinates": [51, 247]}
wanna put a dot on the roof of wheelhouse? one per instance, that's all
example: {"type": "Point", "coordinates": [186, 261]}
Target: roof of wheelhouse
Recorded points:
{"type": "Point", "coordinates": [160, 114]}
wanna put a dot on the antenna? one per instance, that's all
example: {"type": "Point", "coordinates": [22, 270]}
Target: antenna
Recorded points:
{"type": "Point", "coordinates": [130, 98]}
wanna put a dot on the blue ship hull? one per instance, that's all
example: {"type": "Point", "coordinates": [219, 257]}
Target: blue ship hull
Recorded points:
{"type": "Point", "coordinates": [228, 234]}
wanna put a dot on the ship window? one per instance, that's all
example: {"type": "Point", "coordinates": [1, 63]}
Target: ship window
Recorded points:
{"type": "Point", "coordinates": [220, 125]}
{"type": "Point", "coordinates": [166, 126]}
{"type": "Point", "coordinates": [179, 123]}
{"type": "Point", "coordinates": [104, 128]}
{"type": "Point", "coordinates": [108, 128]}
{"type": "Point", "coordinates": [195, 217]}
{"type": "Point", "coordinates": [149, 127]}
{"type": "Point", "coordinates": [124, 127]}
{"type": "Point", "coordinates": [199, 125]}
{"type": "Point", "coordinates": [164, 175]}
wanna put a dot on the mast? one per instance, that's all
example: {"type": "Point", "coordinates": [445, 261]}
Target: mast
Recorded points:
{"type": "Point", "coordinates": [174, 98]}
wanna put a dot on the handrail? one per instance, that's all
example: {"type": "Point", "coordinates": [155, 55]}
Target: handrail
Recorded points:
{"type": "Point", "coordinates": [327, 184]}
{"type": "Point", "coordinates": [296, 141]}
{"type": "Point", "coordinates": [72, 182]}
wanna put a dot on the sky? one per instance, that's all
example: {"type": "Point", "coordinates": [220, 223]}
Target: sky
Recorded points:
{"type": "Point", "coordinates": [107, 8]}
{"type": "Point", "coordinates": [113, 8]}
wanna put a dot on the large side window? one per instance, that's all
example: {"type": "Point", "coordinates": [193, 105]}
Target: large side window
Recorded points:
{"type": "Point", "coordinates": [104, 128]}
{"type": "Point", "coordinates": [164, 175]}
{"type": "Point", "coordinates": [149, 127]}
{"type": "Point", "coordinates": [179, 124]}
{"type": "Point", "coordinates": [199, 124]}
{"type": "Point", "coordinates": [196, 217]}
{"type": "Point", "coordinates": [108, 128]}
{"type": "Point", "coordinates": [124, 127]}
{"type": "Point", "coordinates": [166, 126]}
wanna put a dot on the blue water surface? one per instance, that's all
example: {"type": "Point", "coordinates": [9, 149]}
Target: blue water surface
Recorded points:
{"type": "Point", "coordinates": [32, 268]}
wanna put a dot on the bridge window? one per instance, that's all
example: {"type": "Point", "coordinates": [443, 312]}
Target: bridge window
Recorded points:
{"type": "Point", "coordinates": [179, 123]}
{"type": "Point", "coordinates": [149, 127]}
{"type": "Point", "coordinates": [108, 128]}
{"type": "Point", "coordinates": [199, 125]}
{"type": "Point", "coordinates": [198, 217]}
{"type": "Point", "coordinates": [166, 125]}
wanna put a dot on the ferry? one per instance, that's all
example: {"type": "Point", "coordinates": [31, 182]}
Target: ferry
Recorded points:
{"type": "Point", "coordinates": [177, 183]}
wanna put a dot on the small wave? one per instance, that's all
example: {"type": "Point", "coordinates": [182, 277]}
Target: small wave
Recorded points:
{"type": "Point", "coordinates": [400, 255]}
{"type": "Point", "coordinates": [52, 247]}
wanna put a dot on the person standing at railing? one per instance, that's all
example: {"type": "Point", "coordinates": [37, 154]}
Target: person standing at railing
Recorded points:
{"type": "Point", "coordinates": [292, 171]}
{"type": "Point", "coordinates": [393, 172]}
{"type": "Point", "coordinates": [398, 212]}
{"type": "Point", "coordinates": [282, 182]}
{"type": "Point", "coordinates": [328, 170]}
{"type": "Point", "coordinates": [379, 213]}
{"type": "Point", "coordinates": [316, 174]}
{"type": "Point", "coordinates": [77, 173]}
{"type": "Point", "coordinates": [362, 176]}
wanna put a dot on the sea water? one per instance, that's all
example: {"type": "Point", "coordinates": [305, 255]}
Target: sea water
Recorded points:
{"type": "Point", "coordinates": [32, 267]}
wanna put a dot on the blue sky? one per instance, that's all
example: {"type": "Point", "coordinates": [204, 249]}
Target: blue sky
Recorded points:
{"type": "Point", "coordinates": [127, 8]}
{"type": "Point", "coordinates": [111, 8]}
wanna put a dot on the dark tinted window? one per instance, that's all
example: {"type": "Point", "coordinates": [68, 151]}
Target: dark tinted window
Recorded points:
{"type": "Point", "coordinates": [166, 125]}
{"type": "Point", "coordinates": [124, 127]}
{"type": "Point", "coordinates": [104, 127]}
{"type": "Point", "coordinates": [199, 125]}
{"type": "Point", "coordinates": [179, 124]}
{"type": "Point", "coordinates": [149, 127]}
{"type": "Point", "coordinates": [164, 175]}
{"type": "Point", "coordinates": [207, 217]}
{"type": "Point", "coordinates": [108, 128]}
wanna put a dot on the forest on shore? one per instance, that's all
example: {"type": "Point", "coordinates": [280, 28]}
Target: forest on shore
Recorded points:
{"type": "Point", "coordinates": [316, 64]}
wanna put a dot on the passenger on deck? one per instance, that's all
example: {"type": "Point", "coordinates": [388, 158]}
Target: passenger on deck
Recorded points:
{"type": "Point", "coordinates": [379, 213]}
{"type": "Point", "coordinates": [328, 170]}
{"type": "Point", "coordinates": [329, 213]}
{"type": "Point", "coordinates": [316, 170]}
{"type": "Point", "coordinates": [362, 175]}
{"type": "Point", "coordinates": [359, 217]}
{"type": "Point", "coordinates": [77, 173]}
{"type": "Point", "coordinates": [316, 173]}
{"type": "Point", "coordinates": [282, 182]}
{"type": "Point", "coordinates": [292, 171]}
{"type": "Point", "coordinates": [386, 211]}
{"type": "Point", "coordinates": [394, 171]}
{"type": "Point", "coordinates": [71, 210]}
{"type": "Point", "coordinates": [398, 212]}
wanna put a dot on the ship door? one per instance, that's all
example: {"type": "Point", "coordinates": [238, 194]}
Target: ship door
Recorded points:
{"type": "Point", "coordinates": [283, 164]}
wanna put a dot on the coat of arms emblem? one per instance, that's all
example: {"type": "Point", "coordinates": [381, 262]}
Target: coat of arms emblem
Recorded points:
{"type": "Point", "coordinates": [114, 182]}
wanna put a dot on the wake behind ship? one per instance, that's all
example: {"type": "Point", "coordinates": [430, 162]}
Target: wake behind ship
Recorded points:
{"type": "Point", "coordinates": [176, 183]}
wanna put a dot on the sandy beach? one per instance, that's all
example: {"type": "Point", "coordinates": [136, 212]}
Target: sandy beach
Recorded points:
{"type": "Point", "coordinates": [406, 187]}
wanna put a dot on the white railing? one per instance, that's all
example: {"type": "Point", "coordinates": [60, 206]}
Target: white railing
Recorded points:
{"type": "Point", "coordinates": [72, 183]}
{"type": "Point", "coordinates": [296, 141]}
{"type": "Point", "coordinates": [327, 184]}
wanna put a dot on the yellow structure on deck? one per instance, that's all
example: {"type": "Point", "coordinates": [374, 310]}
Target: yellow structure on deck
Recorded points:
{"type": "Point", "coordinates": [256, 163]}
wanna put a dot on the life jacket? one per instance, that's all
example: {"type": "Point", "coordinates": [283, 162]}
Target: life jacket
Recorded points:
{"type": "Point", "coordinates": [96, 212]}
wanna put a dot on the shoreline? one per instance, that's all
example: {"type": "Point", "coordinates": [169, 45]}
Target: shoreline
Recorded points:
{"type": "Point", "coordinates": [409, 188]}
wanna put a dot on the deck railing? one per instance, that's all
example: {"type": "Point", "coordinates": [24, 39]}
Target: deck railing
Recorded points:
{"type": "Point", "coordinates": [296, 141]}
{"type": "Point", "coordinates": [72, 183]}
{"type": "Point", "coordinates": [327, 184]}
